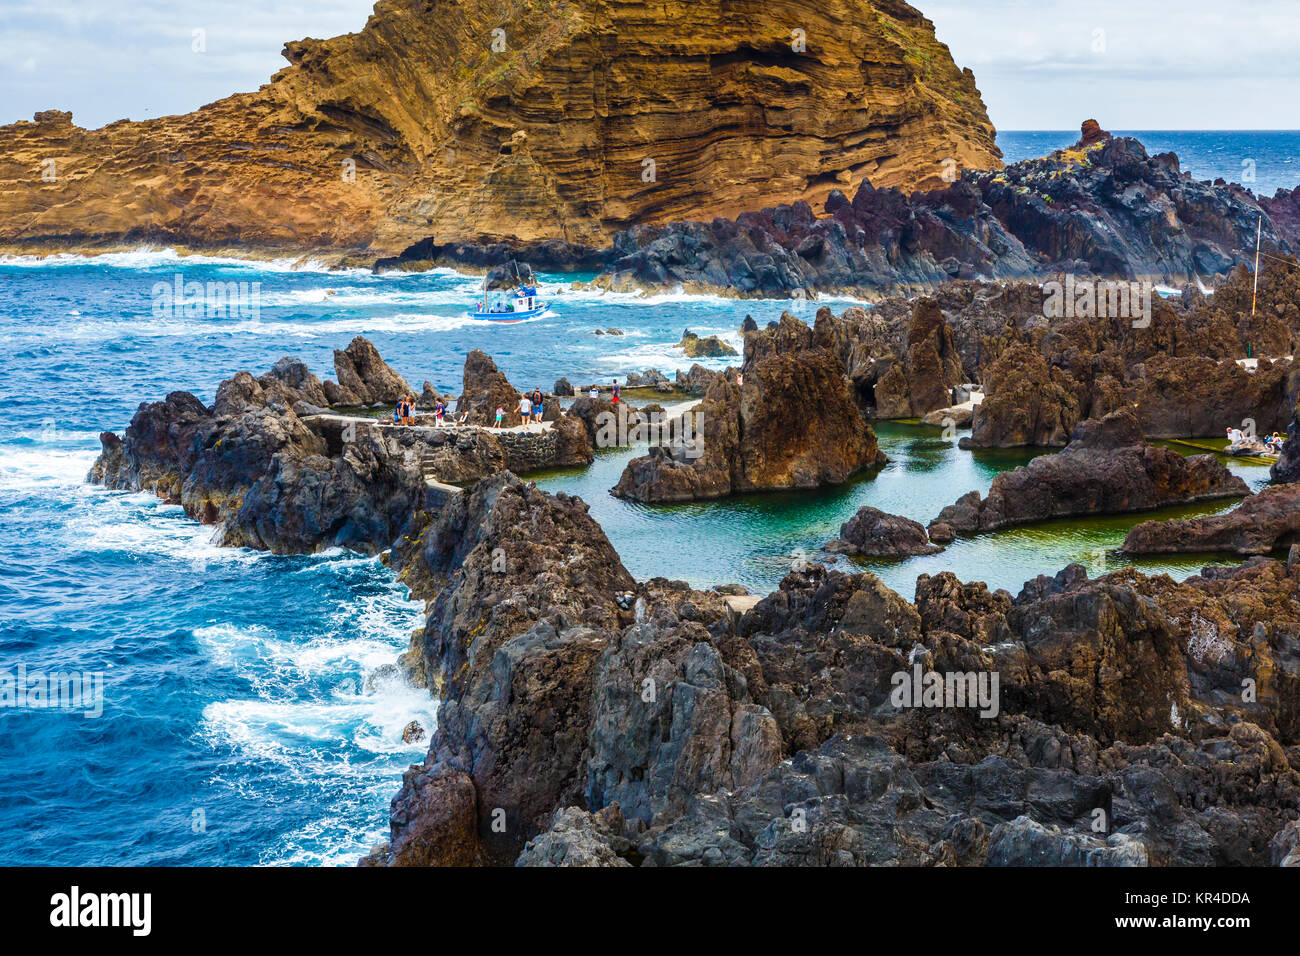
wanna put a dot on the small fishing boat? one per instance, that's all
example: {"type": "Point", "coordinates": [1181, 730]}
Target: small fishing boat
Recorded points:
{"type": "Point", "coordinates": [515, 305]}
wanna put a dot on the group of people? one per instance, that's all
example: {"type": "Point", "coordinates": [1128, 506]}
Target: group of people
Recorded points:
{"type": "Point", "coordinates": [404, 412]}
{"type": "Point", "coordinates": [1272, 442]}
{"type": "Point", "coordinates": [532, 410]}
{"type": "Point", "coordinates": [594, 392]}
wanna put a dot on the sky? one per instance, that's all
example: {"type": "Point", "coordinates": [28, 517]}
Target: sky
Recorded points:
{"type": "Point", "coordinates": [1040, 64]}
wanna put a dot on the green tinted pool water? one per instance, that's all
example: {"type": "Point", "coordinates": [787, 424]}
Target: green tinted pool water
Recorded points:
{"type": "Point", "coordinates": [754, 539]}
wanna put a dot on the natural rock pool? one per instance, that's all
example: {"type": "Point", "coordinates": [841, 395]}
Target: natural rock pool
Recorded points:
{"type": "Point", "coordinates": [245, 717]}
{"type": "Point", "coordinates": [753, 540]}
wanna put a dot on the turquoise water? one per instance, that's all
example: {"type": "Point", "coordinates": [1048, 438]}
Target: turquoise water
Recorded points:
{"type": "Point", "coordinates": [243, 721]}
{"type": "Point", "coordinates": [754, 540]}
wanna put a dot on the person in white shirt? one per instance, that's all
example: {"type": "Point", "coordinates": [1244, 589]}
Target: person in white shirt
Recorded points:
{"type": "Point", "coordinates": [525, 409]}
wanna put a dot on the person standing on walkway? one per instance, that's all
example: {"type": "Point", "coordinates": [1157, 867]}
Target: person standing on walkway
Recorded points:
{"type": "Point", "coordinates": [537, 405]}
{"type": "Point", "coordinates": [615, 391]}
{"type": "Point", "coordinates": [525, 410]}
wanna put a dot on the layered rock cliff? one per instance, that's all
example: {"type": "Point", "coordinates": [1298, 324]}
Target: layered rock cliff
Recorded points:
{"type": "Point", "coordinates": [481, 120]}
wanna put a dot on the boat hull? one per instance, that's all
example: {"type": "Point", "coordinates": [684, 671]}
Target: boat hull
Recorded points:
{"type": "Point", "coordinates": [508, 318]}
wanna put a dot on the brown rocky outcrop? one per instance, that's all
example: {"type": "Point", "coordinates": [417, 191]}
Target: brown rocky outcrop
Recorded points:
{"type": "Point", "coordinates": [1026, 403]}
{"type": "Point", "coordinates": [1182, 374]}
{"type": "Point", "coordinates": [484, 389]}
{"type": "Point", "coordinates": [465, 119]}
{"type": "Point", "coordinates": [1106, 469]}
{"type": "Point", "coordinates": [876, 534]}
{"type": "Point", "coordinates": [793, 424]}
{"type": "Point", "coordinates": [923, 380]}
{"type": "Point", "coordinates": [1091, 132]}
{"type": "Point", "coordinates": [708, 347]}
{"type": "Point", "coordinates": [364, 378]}
{"type": "Point", "coordinates": [437, 824]}
{"type": "Point", "coordinates": [1262, 523]}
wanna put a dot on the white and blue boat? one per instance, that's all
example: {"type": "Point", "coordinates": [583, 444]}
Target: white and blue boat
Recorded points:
{"type": "Point", "coordinates": [517, 305]}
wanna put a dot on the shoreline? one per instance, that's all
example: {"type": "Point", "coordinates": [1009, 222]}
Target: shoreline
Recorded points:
{"type": "Point", "coordinates": [308, 260]}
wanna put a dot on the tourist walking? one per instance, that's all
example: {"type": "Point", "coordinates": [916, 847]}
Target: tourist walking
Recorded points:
{"type": "Point", "coordinates": [525, 410]}
{"type": "Point", "coordinates": [501, 414]}
{"type": "Point", "coordinates": [439, 411]}
{"type": "Point", "coordinates": [594, 393]}
{"type": "Point", "coordinates": [615, 391]}
{"type": "Point", "coordinates": [538, 401]}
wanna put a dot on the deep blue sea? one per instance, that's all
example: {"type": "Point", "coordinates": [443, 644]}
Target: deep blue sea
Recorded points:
{"type": "Point", "coordinates": [242, 722]}
{"type": "Point", "coordinates": [1262, 160]}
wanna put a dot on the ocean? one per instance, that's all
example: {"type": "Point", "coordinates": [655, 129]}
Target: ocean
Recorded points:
{"type": "Point", "coordinates": [247, 717]}
{"type": "Point", "coordinates": [1264, 161]}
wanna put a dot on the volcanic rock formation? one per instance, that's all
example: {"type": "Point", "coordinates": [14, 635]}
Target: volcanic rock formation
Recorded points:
{"type": "Point", "coordinates": [364, 378]}
{"type": "Point", "coordinates": [1105, 208]}
{"type": "Point", "coordinates": [793, 424]}
{"type": "Point", "coordinates": [1183, 373]}
{"type": "Point", "coordinates": [1260, 524]}
{"type": "Point", "coordinates": [876, 534]}
{"type": "Point", "coordinates": [1106, 469]}
{"type": "Point", "coordinates": [274, 474]}
{"type": "Point", "coordinates": [586, 718]}
{"type": "Point", "coordinates": [475, 119]}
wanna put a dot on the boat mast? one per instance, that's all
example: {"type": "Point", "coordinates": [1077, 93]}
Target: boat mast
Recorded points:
{"type": "Point", "coordinates": [1259, 229]}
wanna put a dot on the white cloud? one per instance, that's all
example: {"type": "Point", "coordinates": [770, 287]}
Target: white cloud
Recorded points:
{"type": "Point", "coordinates": [1198, 64]}
{"type": "Point", "coordinates": [106, 60]}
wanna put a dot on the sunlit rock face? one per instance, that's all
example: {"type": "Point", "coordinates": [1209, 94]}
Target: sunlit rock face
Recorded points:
{"type": "Point", "coordinates": [462, 120]}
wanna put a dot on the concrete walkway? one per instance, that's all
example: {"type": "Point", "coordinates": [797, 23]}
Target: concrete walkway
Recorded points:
{"type": "Point", "coordinates": [427, 425]}
{"type": "Point", "coordinates": [1252, 364]}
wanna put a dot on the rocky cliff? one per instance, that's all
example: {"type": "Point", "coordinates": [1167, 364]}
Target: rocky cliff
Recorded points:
{"type": "Point", "coordinates": [534, 120]}
{"type": "Point", "coordinates": [1103, 207]}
